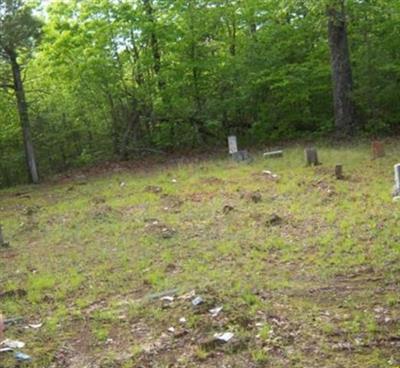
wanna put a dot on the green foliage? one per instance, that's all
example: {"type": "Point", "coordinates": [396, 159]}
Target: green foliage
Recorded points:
{"type": "Point", "coordinates": [117, 78]}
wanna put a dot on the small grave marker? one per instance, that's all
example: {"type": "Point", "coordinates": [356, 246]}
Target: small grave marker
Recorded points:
{"type": "Point", "coordinates": [232, 142]}
{"type": "Point", "coordinates": [339, 172]}
{"type": "Point", "coordinates": [273, 154]}
{"type": "Point", "coordinates": [3, 244]}
{"type": "Point", "coordinates": [241, 156]}
{"type": "Point", "coordinates": [396, 192]}
{"type": "Point", "coordinates": [237, 155]}
{"type": "Point", "coordinates": [378, 150]}
{"type": "Point", "coordinates": [311, 156]}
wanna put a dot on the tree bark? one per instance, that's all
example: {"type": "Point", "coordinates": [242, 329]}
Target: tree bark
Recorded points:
{"type": "Point", "coordinates": [341, 70]}
{"type": "Point", "coordinates": [24, 118]}
{"type": "Point", "coordinates": [154, 42]}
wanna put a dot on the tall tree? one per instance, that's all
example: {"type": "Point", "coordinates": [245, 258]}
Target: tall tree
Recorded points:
{"type": "Point", "coordinates": [19, 30]}
{"type": "Point", "coordinates": [341, 68]}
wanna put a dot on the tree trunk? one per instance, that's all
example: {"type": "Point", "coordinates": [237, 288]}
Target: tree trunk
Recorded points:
{"type": "Point", "coordinates": [341, 70]}
{"type": "Point", "coordinates": [154, 42]}
{"type": "Point", "coordinates": [24, 118]}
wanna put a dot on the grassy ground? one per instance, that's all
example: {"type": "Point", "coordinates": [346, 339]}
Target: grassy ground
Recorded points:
{"type": "Point", "coordinates": [308, 277]}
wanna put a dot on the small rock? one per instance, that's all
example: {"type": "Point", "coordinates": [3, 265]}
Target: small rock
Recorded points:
{"type": "Point", "coordinates": [153, 189]}
{"type": "Point", "coordinates": [227, 209]}
{"type": "Point", "coordinates": [180, 333]}
{"type": "Point", "coordinates": [273, 220]}
{"type": "Point", "coordinates": [256, 197]}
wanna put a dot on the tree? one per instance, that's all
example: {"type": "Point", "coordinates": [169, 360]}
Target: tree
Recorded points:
{"type": "Point", "coordinates": [19, 30]}
{"type": "Point", "coordinates": [341, 68]}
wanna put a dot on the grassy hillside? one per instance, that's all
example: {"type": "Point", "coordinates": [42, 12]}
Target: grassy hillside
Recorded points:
{"type": "Point", "coordinates": [306, 267]}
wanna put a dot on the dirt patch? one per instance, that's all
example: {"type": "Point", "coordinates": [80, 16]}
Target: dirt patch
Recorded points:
{"type": "Point", "coordinates": [212, 181]}
{"type": "Point", "coordinates": [200, 197]}
{"type": "Point", "coordinates": [162, 230]}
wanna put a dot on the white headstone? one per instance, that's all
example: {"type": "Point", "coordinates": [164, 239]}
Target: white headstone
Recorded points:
{"type": "Point", "coordinates": [232, 142]}
{"type": "Point", "coordinates": [397, 178]}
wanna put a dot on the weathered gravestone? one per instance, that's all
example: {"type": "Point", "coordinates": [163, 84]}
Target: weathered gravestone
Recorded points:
{"type": "Point", "coordinates": [378, 150]}
{"type": "Point", "coordinates": [396, 192]}
{"type": "Point", "coordinates": [311, 156]}
{"type": "Point", "coordinates": [232, 142]}
{"type": "Point", "coordinates": [273, 154]}
{"type": "Point", "coordinates": [237, 155]}
{"type": "Point", "coordinates": [241, 156]}
{"type": "Point", "coordinates": [339, 172]}
{"type": "Point", "coordinates": [3, 243]}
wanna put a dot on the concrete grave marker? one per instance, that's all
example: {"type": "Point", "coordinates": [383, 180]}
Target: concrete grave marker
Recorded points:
{"type": "Point", "coordinates": [241, 156]}
{"type": "Point", "coordinates": [237, 155]}
{"type": "Point", "coordinates": [378, 150]}
{"type": "Point", "coordinates": [232, 142]}
{"type": "Point", "coordinates": [3, 243]}
{"type": "Point", "coordinates": [339, 172]}
{"type": "Point", "coordinates": [396, 192]}
{"type": "Point", "coordinates": [311, 156]}
{"type": "Point", "coordinates": [273, 154]}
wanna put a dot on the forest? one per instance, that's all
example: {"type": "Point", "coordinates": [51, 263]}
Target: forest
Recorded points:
{"type": "Point", "coordinates": [85, 81]}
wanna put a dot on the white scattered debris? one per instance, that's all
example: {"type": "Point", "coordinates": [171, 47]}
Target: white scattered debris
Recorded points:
{"type": "Point", "coordinates": [171, 329]}
{"type": "Point", "coordinates": [358, 341]}
{"type": "Point", "coordinates": [197, 301]}
{"type": "Point", "coordinates": [35, 325]}
{"type": "Point", "coordinates": [182, 320]}
{"type": "Point", "coordinates": [215, 311]}
{"type": "Point", "coordinates": [122, 184]}
{"type": "Point", "coordinates": [225, 337]}
{"type": "Point", "coordinates": [273, 154]}
{"type": "Point", "coordinates": [270, 174]}
{"type": "Point", "coordinates": [21, 357]}
{"type": "Point", "coordinates": [167, 298]}
{"type": "Point", "coordinates": [13, 344]}
{"type": "Point", "coordinates": [174, 181]}
{"type": "Point", "coordinates": [5, 350]}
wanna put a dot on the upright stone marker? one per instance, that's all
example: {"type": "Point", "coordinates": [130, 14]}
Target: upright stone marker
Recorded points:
{"type": "Point", "coordinates": [232, 142]}
{"type": "Point", "coordinates": [241, 156]}
{"type": "Point", "coordinates": [396, 192]}
{"type": "Point", "coordinates": [237, 155]}
{"type": "Point", "coordinates": [378, 150]}
{"type": "Point", "coordinates": [339, 172]}
{"type": "Point", "coordinates": [311, 156]}
{"type": "Point", "coordinates": [2, 242]}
